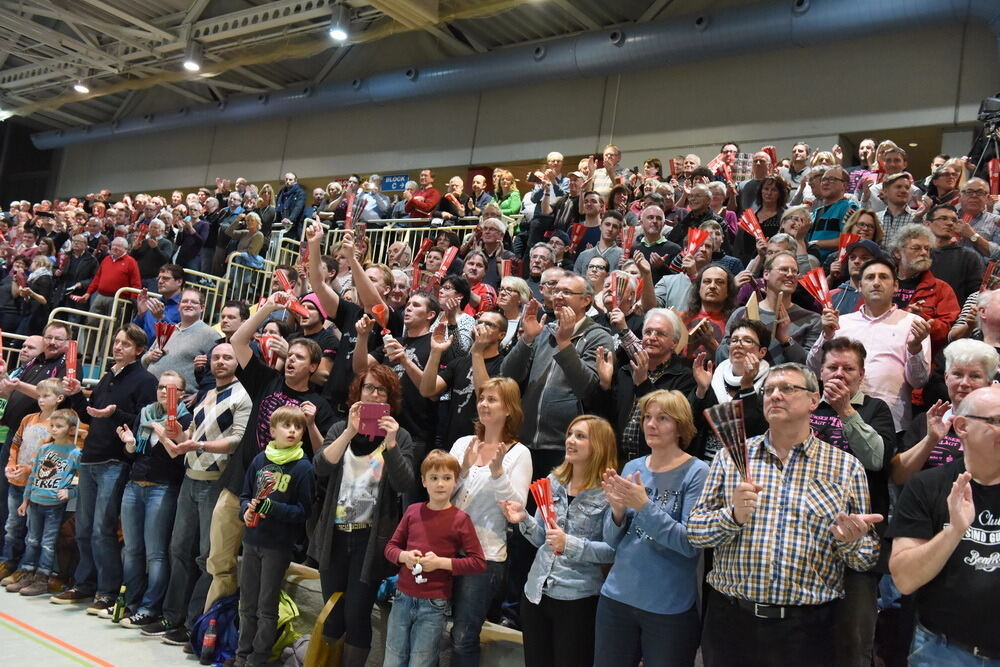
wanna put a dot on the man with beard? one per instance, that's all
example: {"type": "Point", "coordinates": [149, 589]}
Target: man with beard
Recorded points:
{"type": "Point", "coordinates": [920, 291]}
{"type": "Point", "coordinates": [896, 341]}
{"type": "Point", "coordinates": [795, 328]}
{"type": "Point", "coordinates": [459, 376]}
{"type": "Point", "coordinates": [847, 296]}
{"type": "Point", "coordinates": [480, 195]}
{"type": "Point", "coordinates": [674, 289]}
{"type": "Point", "coordinates": [290, 202]}
{"type": "Point", "coordinates": [955, 264]}
{"type": "Point", "coordinates": [447, 208]}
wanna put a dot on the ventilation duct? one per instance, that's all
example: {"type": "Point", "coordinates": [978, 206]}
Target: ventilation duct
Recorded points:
{"type": "Point", "coordinates": [802, 23]}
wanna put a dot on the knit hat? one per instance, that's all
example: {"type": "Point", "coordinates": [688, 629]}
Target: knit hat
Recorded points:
{"type": "Point", "coordinates": [314, 300]}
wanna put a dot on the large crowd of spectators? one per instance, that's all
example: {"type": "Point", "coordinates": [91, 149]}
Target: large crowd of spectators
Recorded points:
{"type": "Point", "coordinates": [399, 408]}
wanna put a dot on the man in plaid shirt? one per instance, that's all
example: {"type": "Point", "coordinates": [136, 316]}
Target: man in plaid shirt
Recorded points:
{"type": "Point", "coordinates": [782, 540]}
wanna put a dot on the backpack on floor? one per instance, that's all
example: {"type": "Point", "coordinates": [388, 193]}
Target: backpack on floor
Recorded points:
{"type": "Point", "coordinates": [226, 612]}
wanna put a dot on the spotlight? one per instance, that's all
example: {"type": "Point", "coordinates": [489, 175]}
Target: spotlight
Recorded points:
{"type": "Point", "coordinates": [192, 56]}
{"type": "Point", "coordinates": [340, 23]}
{"type": "Point", "coordinates": [81, 87]}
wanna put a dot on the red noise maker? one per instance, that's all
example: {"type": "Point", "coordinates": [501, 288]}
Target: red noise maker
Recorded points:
{"type": "Point", "coordinates": [676, 167]}
{"type": "Point", "coordinates": [71, 359]}
{"type": "Point", "coordinates": [415, 276]}
{"type": "Point", "coordinates": [22, 281]}
{"type": "Point", "coordinates": [265, 349]}
{"type": "Point", "coordinates": [449, 257]}
{"type": "Point", "coordinates": [696, 239]}
{"type": "Point", "coordinates": [815, 283]}
{"type": "Point", "coordinates": [63, 259]}
{"type": "Point", "coordinates": [163, 330]}
{"type": "Point", "coordinates": [293, 302]}
{"type": "Point", "coordinates": [772, 152]}
{"type": "Point", "coordinates": [172, 424]}
{"type": "Point", "coordinates": [628, 240]}
{"type": "Point", "coordinates": [716, 165]}
{"type": "Point", "coordinates": [381, 313]}
{"type": "Point", "coordinates": [846, 240]}
{"type": "Point", "coordinates": [454, 200]}
{"type": "Point", "coordinates": [304, 254]}
{"type": "Point", "coordinates": [506, 268]}
{"type": "Point", "coordinates": [576, 233]}
{"type": "Point", "coordinates": [141, 233]}
{"type": "Point", "coordinates": [991, 278]}
{"type": "Point", "coordinates": [425, 245]}
{"type": "Point", "coordinates": [994, 167]}
{"type": "Point", "coordinates": [266, 481]}
{"type": "Point", "coordinates": [726, 420]}
{"type": "Point", "coordinates": [349, 216]}
{"type": "Point", "coordinates": [541, 491]}
{"type": "Point", "coordinates": [749, 223]}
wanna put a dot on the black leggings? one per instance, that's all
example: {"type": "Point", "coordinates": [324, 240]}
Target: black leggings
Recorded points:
{"type": "Point", "coordinates": [558, 633]}
{"type": "Point", "coordinates": [353, 612]}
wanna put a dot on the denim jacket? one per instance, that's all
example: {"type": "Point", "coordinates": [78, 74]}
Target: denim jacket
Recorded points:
{"type": "Point", "coordinates": [577, 572]}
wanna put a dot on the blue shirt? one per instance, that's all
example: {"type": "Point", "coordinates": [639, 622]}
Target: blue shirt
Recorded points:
{"type": "Point", "coordinates": [654, 539]}
{"type": "Point", "coordinates": [53, 470]}
{"type": "Point", "coordinates": [171, 313]}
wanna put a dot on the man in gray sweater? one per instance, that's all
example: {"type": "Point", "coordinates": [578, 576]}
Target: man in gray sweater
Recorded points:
{"type": "Point", "coordinates": [556, 367]}
{"type": "Point", "coordinates": [191, 338]}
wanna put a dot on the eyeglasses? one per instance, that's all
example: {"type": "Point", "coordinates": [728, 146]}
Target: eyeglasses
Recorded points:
{"type": "Point", "coordinates": [786, 270]}
{"type": "Point", "coordinates": [863, 225]}
{"type": "Point", "coordinates": [744, 341]}
{"type": "Point", "coordinates": [919, 248]}
{"type": "Point", "coordinates": [975, 193]}
{"type": "Point", "coordinates": [163, 387]}
{"type": "Point", "coordinates": [596, 267]}
{"type": "Point", "coordinates": [550, 283]}
{"type": "Point", "coordinates": [375, 389]}
{"type": "Point", "coordinates": [992, 421]}
{"type": "Point", "coordinates": [784, 389]}
{"type": "Point", "coordinates": [831, 179]}
{"type": "Point", "coordinates": [946, 218]}
{"type": "Point", "coordinates": [562, 291]}
{"type": "Point", "coordinates": [487, 323]}
{"type": "Point", "coordinates": [655, 333]}
{"type": "Point", "coordinates": [490, 229]}
{"type": "Point", "coordinates": [507, 290]}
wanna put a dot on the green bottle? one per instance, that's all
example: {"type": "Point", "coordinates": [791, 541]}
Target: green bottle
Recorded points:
{"type": "Point", "coordinates": [118, 613]}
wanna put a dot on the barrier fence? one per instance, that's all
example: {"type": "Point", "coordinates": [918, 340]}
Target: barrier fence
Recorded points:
{"type": "Point", "coordinates": [94, 335]}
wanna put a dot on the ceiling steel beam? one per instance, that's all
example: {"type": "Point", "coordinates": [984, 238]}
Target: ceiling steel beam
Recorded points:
{"type": "Point", "coordinates": [577, 14]}
{"type": "Point", "coordinates": [156, 33]}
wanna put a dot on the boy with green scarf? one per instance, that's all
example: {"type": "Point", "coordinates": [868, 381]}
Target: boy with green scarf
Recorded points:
{"type": "Point", "coordinates": [277, 494]}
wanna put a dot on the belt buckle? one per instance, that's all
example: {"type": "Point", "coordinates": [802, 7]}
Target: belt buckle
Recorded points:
{"type": "Point", "coordinates": [757, 606]}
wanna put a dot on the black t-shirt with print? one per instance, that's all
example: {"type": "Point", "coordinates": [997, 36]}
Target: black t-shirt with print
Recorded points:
{"type": "Point", "coordinates": [342, 374]}
{"type": "Point", "coordinates": [457, 374]}
{"type": "Point", "coordinates": [946, 451]}
{"type": "Point", "coordinates": [419, 414]}
{"type": "Point", "coordinates": [963, 600]}
{"type": "Point", "coordinates": [269, 392]}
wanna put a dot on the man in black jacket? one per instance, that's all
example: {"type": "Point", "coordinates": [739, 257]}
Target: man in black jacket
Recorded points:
{"type": "Point", "coordinates": [75, 275]}
{"type": "Point", "coordinates": [862, 425]}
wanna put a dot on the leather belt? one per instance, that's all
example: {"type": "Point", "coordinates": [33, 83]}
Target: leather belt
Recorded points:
{"type": "Point", "coordinates": [772, 611]}
{"type": "Point", "coordinates": [351, 527]}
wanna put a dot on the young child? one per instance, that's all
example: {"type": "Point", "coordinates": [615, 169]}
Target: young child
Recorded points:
{"type": "Point", "coordinates": [427, 543]}
{"type": "Point", "coordinates": [280, 518]}
{"type": "Point", "coordinates": [27, 441]}
{"type": "Point", "coordinates": [49, 488]}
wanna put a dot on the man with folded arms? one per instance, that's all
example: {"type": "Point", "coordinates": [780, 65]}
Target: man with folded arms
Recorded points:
{"type": "Point", "coordinates": [782, 542]}
{"type": "Point", "coordinates": [946, 544]}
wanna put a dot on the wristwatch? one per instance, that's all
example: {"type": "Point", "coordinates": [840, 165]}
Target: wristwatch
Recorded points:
{"type": "Point", "coordinates": [200, 450]}
{"type": "Point", "coordinates": [975, 237]}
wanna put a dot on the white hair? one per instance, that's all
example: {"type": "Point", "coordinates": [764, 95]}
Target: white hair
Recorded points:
{"type": "Point", "coordinates": [967, 351]}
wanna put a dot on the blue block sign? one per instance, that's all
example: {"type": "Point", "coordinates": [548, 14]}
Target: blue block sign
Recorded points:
{"type": "Point", "coordinates": [394, 183]}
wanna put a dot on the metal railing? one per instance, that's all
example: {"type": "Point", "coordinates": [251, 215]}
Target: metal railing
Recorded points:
{"type": "Point", "coordinates": [94, 334]}
{"type": "Point", "coordinates": [8, 352]}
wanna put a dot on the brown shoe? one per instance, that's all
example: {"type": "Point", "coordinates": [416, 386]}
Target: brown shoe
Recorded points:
{"type": "Point", "coordinates": [6, 569]}
{"type": "Point", "coordinates": [56, 585]}
{"type": "Point", "coordinates": [20, 579]}
{"type": "Point", "coordinates": [71, 596]}
{"type": "Point", "coordinates": [39, 586]}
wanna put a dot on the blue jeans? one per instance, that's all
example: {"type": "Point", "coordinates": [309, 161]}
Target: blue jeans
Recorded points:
{"type": "Point", "coordinates": [930, 650]}
{"type": "Point", "coordinates": [16, 527]}
{"type": "Point", "coordinates": [98, 503]}
{"type": "Point", "coordinates": [471, 598]}
{"type": "Point", "coordinates": [44, 522]}
{"type": "Point", "coordinates": [413, 634]}
{"type": "Point", "coordinates": [624, 634]}
{"type": "Point", "coordinates": [189, 548]}
{"type": "Point", "coordinates": [147, 517]}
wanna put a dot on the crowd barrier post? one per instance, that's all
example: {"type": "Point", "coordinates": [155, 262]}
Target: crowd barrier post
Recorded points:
{"type": "Point", "coordinates": [214, 290]}
{"type": "Point", "coordinates": [247, 283]}
{"type": "Point", "coordinates": [94, 335]}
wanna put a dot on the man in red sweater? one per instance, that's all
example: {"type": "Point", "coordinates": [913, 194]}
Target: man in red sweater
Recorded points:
{"type": "Point", "coordinates": [117, 270]}
{"type": "Point", "coordinates": [423, 202]}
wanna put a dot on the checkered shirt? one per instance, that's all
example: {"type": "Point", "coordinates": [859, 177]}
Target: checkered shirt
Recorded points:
{"type": "Point", "coordinates": [223, 413]}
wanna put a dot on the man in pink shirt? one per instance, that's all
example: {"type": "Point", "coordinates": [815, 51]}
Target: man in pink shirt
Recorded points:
{"type": "Point", "coordinates": [897, 341]}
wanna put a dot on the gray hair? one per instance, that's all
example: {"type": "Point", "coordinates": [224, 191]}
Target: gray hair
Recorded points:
{"type": "Point", "coordinates": [967, 351]}
{"type": "Point", "coordinates": [544, 246]}
{"type": "Point", "coordinates": [410, 185]}
{"type": "Point", "coordinates": [503, 225]}
{"type": "Point", "coordinates": [120, 240]}
{"type": "Point", "coordinates": [985, 297]}
{"type": "Point", "coordinates": [912, 231]}
{"type": "Point", "coordinates": [807, 375]}
{"type": "Point", "coordinates": [676, 324]}
{"type": "Point", "coordinates": [786, 240]}
{"type": "Point", "coordinates": [717, 188]}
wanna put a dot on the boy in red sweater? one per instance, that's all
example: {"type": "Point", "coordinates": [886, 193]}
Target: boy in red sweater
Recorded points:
{"type": "Point", "coordinates": [427, 542]}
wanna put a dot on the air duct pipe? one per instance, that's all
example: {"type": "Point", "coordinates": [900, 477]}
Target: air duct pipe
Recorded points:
{"type": "Point", "coordinates": [686, 39]}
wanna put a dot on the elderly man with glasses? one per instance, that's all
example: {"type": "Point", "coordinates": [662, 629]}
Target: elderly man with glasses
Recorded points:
{"type": "Point", "coordinates": [920, 291]}
{"type": "Point", "coordinates": [782, 535]}
{"type": "Point", "coordinates": [977, 226]}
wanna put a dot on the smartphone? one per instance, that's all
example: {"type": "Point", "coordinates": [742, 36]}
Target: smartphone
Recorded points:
{"type": "Point", "coordinates": [534, 177]}
{"type": "Point", "coordinates": [370, 414]}
{"type": "Point", "coordinates": [600, 161]}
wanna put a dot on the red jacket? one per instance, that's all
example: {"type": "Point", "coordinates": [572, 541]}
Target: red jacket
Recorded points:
{"type": "Point", "coordinates": [938, 305]}
{"type": "Point", "coordinates": [424, 208]}
{"type": "Point", "coordinates": [113, 274]}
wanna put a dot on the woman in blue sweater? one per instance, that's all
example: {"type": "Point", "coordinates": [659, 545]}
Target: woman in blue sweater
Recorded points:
{"type": "Point", "coordinates": [652, 618]}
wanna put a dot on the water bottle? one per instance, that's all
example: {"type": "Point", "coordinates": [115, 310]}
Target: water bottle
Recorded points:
{"type": "Point", "coordinates": [118, 613]}
{"type": "Point", "coordinates": [208, 644]}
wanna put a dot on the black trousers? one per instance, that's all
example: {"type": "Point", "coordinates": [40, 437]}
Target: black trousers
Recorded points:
{"type": "Point", "coordinates": [353, 612]}
{"type": "Point", "coordinates": [558, 633]}
{"type": "Point", "coordinates": [734, 636]}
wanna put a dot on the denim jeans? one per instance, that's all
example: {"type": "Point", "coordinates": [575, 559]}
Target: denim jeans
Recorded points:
{"type": "Point", "coordinates": [189, 547]}
{"type": "Point", "coordinates": [16, 526]}
{"type": "Point", "coordinates": [44, 522]}
{"type": "Point", "coordinates": [626, 634]}
{"type": "Point", "coordinates": [147, 517]}
{"type": "Point", "coordinates": [930, 650]}
{"type": "Point", "coordinates": [471, 598]}
{"type": "Point", "coordinates": [413, 634]}
{"type": "Point", "coordinates": [98, 504]}
{"type": "Point", "coordinates": [261, 573]}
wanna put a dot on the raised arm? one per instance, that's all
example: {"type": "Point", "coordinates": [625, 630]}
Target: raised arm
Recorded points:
{"type": "Point", "coordinates": [328, 298]}
{"type": "Point", "coordinates": [242, 336]}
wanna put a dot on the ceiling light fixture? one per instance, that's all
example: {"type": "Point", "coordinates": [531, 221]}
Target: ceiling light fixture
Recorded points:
{"type": "Point", "coordinates": [81, 87]}
{"type": "Point", "coordinates": [192, 56]}
{"type": "Point", "coordinates": [913, 144]}
{"type": "Point", "coordinates": [340, 23]}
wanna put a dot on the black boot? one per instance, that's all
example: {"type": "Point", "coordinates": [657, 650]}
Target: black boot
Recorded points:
{"type": "Point", "coordinates": [354, 656]}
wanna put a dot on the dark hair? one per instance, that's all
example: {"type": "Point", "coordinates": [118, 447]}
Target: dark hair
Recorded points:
{"type": "Point", "coordinates": [843, 343]}
{"type": "Point", "coordinates": [284, 329]}
{"type": "Point", "coordinates": [729, 143]}
{"type": "Point", "coordinates": [176, 272]}
{"type": "Point", "coordinates": [611, 213]}
{"type": "Point", "coordinates": [240, 306]}
{"type": "Point", "coordinates": [591, 192]}
{"type": "Point", "coordinates": [312, 347]}
{"type": "Point", "coordinates": [756, 326]}
{"type": "Point", "coordinates": [289, 271]}
{"type": "Point", "coordinates": [655, 199]}
{"type": "Point", "coordinates": [432, 303]}
{"type": "Point", "coordinates": [134, 333]}
{"type": "Point", "coordinates": [694, 301]}
{"type": "Point", "coordinates": [55, 324]}
{"type": "Point", "coordinates": [387, 378]}
{"type": "Point", "coordinates": [452, 237]}
{"type": "Point", "coordinates": [330, 262]}
{"type": "Point", "coordinates": [614, 192]}
{"type": "Point", "coordinates": [885, 261]}
{"type": "Point", "coordinates": [937, 207]}
{"type": "Point", "coordinates": [702, 171]}
{"type": "Point", "coordinates": [783, 190]}
{"type": "Point", "coordinates": [460, 285]}
{"type": "Point", "coordinates": [656, 162]}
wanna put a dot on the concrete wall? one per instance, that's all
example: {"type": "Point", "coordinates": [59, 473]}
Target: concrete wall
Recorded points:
{"type": "Point", "coordinates": [934, 77]}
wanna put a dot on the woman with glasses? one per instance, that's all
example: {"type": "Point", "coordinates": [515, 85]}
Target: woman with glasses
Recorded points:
{"type": "Point", "coordinates": [865, 223]}
{"type": "Point", "coordinates": [513, 296]}
{"type": "Point", "coordinates": [150, 502]}
{"type": "Point", "coordinates": [596, 271]}
{"type": "Point", "coordinates": [495, 467]}
{"type": "Point", "coordinates": [945, 184]}
{"type": "Point", "coordinates": [653, 619]}
{"type": "Point", "coordinates": [931, 442]}
{"type": "Point", "coordinates": [366, 461]}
